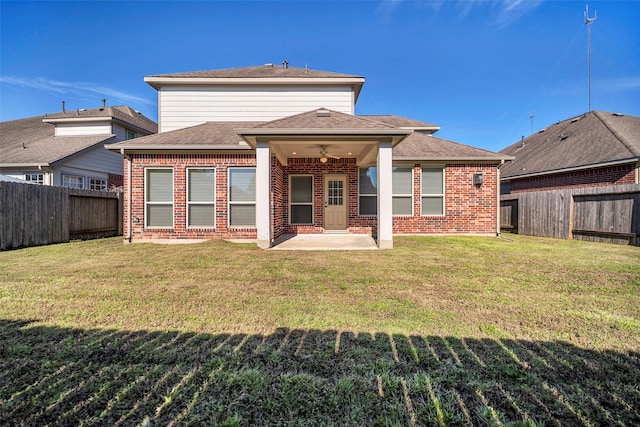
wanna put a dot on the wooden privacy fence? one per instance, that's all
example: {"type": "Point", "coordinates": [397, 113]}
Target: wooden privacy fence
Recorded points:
{"type": "Point", "coordinates": [603, 214]}
{"type": "Point", "coordinates": [33, 215]}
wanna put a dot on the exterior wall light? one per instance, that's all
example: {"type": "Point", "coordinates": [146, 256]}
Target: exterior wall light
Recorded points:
{"type": "Point", "coordinates": [478, 179]}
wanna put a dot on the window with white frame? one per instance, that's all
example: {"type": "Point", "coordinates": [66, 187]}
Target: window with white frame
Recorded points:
{"type": "Point", "coordinates": [402, 184]}
{"type": "Point", "coordinates": [130, 134]}
{"type": "Point", "coordinates": [368, 191]}
{"type": "Point", "coordinates": [159, 197]}
{"type": "Point", "coordinates": [432, 193]}
{"type": "Point", "coordinates": [97, 184]}
{"type": "Point", "coordinates": [301, 199]}
{"type": "Point", "coordinates": [36, 178]}
{"type": "Point", "coordinates": [73, 181]}
{"type": "Point", "coordinates": [201, 197]}
{"type": "Point", "coordinates": [242, 197]}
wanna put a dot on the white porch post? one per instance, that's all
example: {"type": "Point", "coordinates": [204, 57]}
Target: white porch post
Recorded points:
{"type": "Point", "coordinates": [263, 199]}
{"type": "Point", "coordinates": [385, 196]}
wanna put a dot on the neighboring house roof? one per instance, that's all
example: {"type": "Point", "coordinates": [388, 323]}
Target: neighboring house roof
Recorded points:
{"type": "Point", "coordinates": [590, 140]}
{"type": "Point", "coordinates": [5, 178]}
{"type": "Point", "coordinates": [31, 142]}
{"type": "Point", "coordinates": [122, 114]}
{"type": "Point", "coordinates": [262, 71]}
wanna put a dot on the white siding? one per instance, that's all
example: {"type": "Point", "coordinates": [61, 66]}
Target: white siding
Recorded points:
{"type": "Point", "coordinates": [181, 107]}
{"type": "Point", "coordinates": [89, 128]}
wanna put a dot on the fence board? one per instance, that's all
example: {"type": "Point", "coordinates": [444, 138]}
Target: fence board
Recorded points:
{"type": "Point", "coordinates": [32, 215]}
{"type": "Point", "coordinates": [607, 214]}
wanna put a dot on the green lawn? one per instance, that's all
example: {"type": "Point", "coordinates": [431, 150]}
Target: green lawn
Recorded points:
{"type": "Point", "coordinates": [437, 331]}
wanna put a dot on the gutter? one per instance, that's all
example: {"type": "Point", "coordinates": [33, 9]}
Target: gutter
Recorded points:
{"type": "Point", "coordinates": [117, 147]}
{"type": "Point", "coordinates": [129, 195]}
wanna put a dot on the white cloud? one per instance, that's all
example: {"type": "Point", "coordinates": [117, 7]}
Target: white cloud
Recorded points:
{"type": "Point", "coordinates": [81, 89]}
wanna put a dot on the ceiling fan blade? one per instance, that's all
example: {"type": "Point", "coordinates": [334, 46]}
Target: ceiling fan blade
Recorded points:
{"type": "Point", "coordinates": [333, 156]}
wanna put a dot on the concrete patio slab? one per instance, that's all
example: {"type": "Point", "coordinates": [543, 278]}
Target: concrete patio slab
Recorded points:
{"type": "Point", "coordinates": [324, 242]}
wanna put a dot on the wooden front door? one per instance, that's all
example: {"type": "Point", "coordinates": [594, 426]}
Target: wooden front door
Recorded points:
{"type": "Point", "coordinates": [336, 196]}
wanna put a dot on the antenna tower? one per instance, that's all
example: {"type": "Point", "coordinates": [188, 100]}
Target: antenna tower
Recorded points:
{"type": "Point", "coordinates": [588, 21]}
{"type": "Point", "coordinates": [531, 116]}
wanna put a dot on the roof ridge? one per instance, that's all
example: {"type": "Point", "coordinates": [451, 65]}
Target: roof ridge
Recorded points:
{"type": "Point", "coordinates": [615, 132]}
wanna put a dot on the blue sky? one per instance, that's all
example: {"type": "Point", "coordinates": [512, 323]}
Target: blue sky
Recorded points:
{"type": "Point", "coordinates": [477, 68]}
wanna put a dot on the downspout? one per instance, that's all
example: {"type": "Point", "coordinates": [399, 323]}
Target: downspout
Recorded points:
{"type": "Point", "coordinates": [498, 205]}
{"type": "Point", "coordinates": [129, 193]}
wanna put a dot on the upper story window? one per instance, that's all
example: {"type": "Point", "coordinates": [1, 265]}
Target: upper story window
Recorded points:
{"type": "Point", "coordinates": [130, 134]}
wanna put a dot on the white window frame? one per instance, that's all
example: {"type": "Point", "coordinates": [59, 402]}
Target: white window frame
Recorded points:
{"type": "Point", "coordinates": [147, 203]}
{"type": "Point", "coordinates": [444, 180]}
{"type": "Point", "coordinates": [231, 202]}
{"type": "Point", "coordinates": [205, 203]}
{"type": "Point", "coordinates": [405, 195]}
{"type": "Point", "coordinates": [28, 176]}
{"type": "Point", "coordinates": [102, 187]}
{"type": "Point", "coordinates": [301, 203]}
{"type": "Point", "coordinates": [365, 195]}
{"type": "Point", "coordinates": [68, 175]}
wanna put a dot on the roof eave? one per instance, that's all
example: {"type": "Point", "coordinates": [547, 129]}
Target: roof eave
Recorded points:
{"type": "Point", "coordinates": [77, 119]}
{"type": "Point", "coordinates": [573, 168]}
{"type": "Point", "coordinates": [173, 147]}
{"type": "Point", "coordinates": [24, 165]}
{"type": "Point", "coordinates": [451, 159]}
{"type": "Point", "coordinates": [158, 81]}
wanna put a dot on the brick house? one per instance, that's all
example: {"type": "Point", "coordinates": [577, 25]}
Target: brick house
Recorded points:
{"type": "Point", "coordinates": [260, 152]}
{"type": "Point", "coordinates": [594, 149]}
{"type": "Point", "coordinates": [67, 148]}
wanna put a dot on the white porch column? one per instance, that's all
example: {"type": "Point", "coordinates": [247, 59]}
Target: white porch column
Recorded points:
{"type": "Point", "coordinates": [385, 196]}
{"type": "Point", "coordinates": [263, 199]}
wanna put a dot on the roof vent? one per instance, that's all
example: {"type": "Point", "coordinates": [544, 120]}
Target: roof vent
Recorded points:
{"type": "Point", "coordinates": [563, 137]}
{"type": "Point", "coordinates": [323, 112]}
{"type": "Point", "coordinates": [617, 114]}
{"type": "Point", "coordinates": [285, 64]}
{"type": "Point", "coordinates": [268, 65]}
{"type": "Point", "coordinates": [542, 131]}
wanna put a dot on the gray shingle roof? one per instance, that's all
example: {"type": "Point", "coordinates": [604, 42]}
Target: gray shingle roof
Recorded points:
{"type": "Point", "coordinates": [41, 146]}
{"type": "Point", "coordinates": [262, 71]}
{"type": "Point", "coordinates": [399, 122]}
{"type": "Point", "coordinates": [324, 119]}
{"type": "Point", "coordinates": [587, 140]}
{"type": "Point", "coordinates": [427, 147]}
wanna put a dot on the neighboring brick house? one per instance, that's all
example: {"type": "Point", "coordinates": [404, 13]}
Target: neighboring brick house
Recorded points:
{"type": "Point", "coordinates": [67, 148]}
{"type": "Point", "coordinates": [260, 152]}
{"type": "Point", "coordinates": [593, 149]}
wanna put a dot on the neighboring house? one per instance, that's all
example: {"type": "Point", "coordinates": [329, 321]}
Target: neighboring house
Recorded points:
{"type": "Point", "coordinates": [67, 148]}
{"type": "Point", "coordinates": [264, 151]}
{"type": "Point", "coordinates": [593, 149]}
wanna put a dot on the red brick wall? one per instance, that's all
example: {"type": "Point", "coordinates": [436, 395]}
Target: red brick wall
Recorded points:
{"type": "Point", "coordinates": [180, 162]}
{"type": "Point", "coordinates": [469, 209]}
{"type": "Point", "coordinates": [612, 175]}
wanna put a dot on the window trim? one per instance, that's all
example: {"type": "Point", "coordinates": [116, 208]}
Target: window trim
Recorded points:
{"type": "Point", "coordinates": [230, 202]}
{"type": "Point", "coordinates": [404, 195]}
{"type": "Point", "coordinates": [190, 203]}
{"type": "Point", "coordinates": [28, 176]}
{"type": "Point", "coordinates": [70, 175]}
{"type": "Point", "coordinates": [106, 183]}
{"type": "Point", "coordinates": [147, 203]}
{"type": "Point", "coordinates": [297, 175]}
{"type": "Point", "coordinates": [442, 195]}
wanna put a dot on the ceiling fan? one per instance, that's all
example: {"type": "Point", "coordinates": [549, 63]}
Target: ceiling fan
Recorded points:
{"type": "Point", "coordinates": [324, 155]}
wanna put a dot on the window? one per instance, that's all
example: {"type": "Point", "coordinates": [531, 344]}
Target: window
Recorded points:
{"type": "Point", "coordinates": [36, 178]}
{"type": "Point", "coordinates": [432, 190]}
{"type": "Point", "coordinates": [97, 184]}
{"type": "Point", "coordinates": [368, 191]}
{"type": "Point", "coordinates": [73, 181]}
{"type": "Point", "coordinates": [159, 197]}
{"type": "Point", "coordinates": [402, 185]}
{"type": "Point", "coordinates": [201, 197]}
{"type": "Point", "coordinates": [242, 197]}
{"type": "Point", "coordinates": [301, 199]}
{"type": "Point", "coordinates": [130, 134]}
